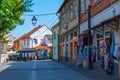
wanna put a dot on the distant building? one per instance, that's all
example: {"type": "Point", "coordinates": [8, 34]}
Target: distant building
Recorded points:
{"type": "Point", "coordinates": [7, 46]}
{"type": "Point", "coordinates": [18, 43]}
{"type": "Point", "coordinates": [55, 30]}
{"type": "Point", "coordinates": [1, 48]}
{"type": "Point", "coordinates": [10, 44]}
{"type": "Point", "coordinates": [69, 30]}
{"type": "Point", "coordinates": [34, 38]}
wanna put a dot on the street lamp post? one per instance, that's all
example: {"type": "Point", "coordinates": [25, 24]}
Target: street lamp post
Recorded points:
{"type": "Point", "coordinates": [90, 38]}
{"type": "Point", "coordinates": [34, 20]}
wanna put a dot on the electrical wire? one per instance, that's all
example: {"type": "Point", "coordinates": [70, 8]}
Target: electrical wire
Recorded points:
{"type": "Point", "coordinates": [47, 27]}
{"type": "Point", "coordinates": [54, 22]}
{"type": "Point", "coordinates": [40, 14]}
{"type": "Point", "coordinates": [50, 20]}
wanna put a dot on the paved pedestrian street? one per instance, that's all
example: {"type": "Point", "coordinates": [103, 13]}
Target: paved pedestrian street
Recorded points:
{"type": "Point", "coordinates": [38, 70]}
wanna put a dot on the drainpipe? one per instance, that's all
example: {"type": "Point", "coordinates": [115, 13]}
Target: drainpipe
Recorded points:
{"type": "Point", "coordinates": [52, 44]}
{"type": "Point", "coordinates": [58, 47]}
{"type": "Point", "coordinates": [79, 12]}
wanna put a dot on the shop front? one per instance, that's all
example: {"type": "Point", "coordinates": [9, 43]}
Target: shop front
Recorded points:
{"type": "Point", "coordinates": [62, 51]}
{"type": "Point", "coordinates": [103, 52]}
{"type": "Point", "coordinates": [105, 40]}
{"type": "Point", "coordinates": [73, 50]}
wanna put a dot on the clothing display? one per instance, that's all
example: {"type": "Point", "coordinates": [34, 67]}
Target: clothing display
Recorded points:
{"type": "Point", "coordinates": [110, 55]}
{"type": "Point", "coordinates": [112, 43]}
{"type": "Point", "coordinates": [116, 51]}
{"type": "Point", "coordinates": [81, 41]}
{"type": "Point", "coordinates": [103, 44]}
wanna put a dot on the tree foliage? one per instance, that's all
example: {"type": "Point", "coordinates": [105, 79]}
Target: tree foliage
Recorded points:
{"type": "Point", "coordinates": [10, 14]}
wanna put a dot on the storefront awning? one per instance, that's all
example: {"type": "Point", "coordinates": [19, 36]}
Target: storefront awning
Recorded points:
{"type": "Point", "coordinates": [27, 50]}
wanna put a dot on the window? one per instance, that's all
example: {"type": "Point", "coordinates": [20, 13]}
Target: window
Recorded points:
{"type": "Point", "coordinates": [76, 10]}
{"type": "Point", "coordinates": [99, 35]}
{"type": "Point", "coordinates": [66, 38]}
{"type": "Point", "coordinates": [87, 4]}
{"type": "Point", "coordinates": [75, 34]}
{"type": "Point", "coordinates": [54, 35]}
{"type": "Point", "coordinates": [54, 50]}
{"type": "Point", "coordinates": [82, 6]}
{"type": "Point", "coordinates": [96, 1]}
{"type": "Point", "coordinates": [72, 36]}
{"type": "Point", "coordinates": [35, 40]}
{"type": "Point", "coordinates": [71, 13]}
{"type": "Point", "coordinates": [63, 39]}
{"type": "Point", "coordinates": [24, 42]}
{"type": "Point", "coordinates": [67, 15]}
{"type": "Point", "coordinates": [107, 33]}
{"type": "Point", "coordinates": [27, 41]}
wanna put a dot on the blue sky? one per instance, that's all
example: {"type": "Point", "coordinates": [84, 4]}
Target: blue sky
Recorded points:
{"type": "Point", "coordinates": [39, 7]}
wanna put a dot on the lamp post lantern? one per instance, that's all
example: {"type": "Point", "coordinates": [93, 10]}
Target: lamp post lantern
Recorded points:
{"type": "Point", "coordinates": [34, 20]}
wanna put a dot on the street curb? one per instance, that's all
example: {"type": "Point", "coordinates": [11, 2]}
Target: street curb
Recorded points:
{"type": "Point", "coordinates": [94, 74]}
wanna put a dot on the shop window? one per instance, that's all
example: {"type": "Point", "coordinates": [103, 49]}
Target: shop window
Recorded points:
{"type": "Point", "coordinates": [61, 39]}
{"type": "Point", "coordinates": [85, 41]}
{"type": "Point", "coordinates": [99, 36]}
{"type": "Point", "coordinates": [98, 50]}
{"type": "Point", "coordinates": [107, 33]}
{"type": "Point", "coordinates": [75, 34]}
{"type": "Point", "coordinates": [71, 37]}
{"type": "Point", "coordinates": [107, 40]}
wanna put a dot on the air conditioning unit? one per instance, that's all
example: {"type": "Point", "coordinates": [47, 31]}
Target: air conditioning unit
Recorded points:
{"type": "Point", "coordinates": [65, 26]}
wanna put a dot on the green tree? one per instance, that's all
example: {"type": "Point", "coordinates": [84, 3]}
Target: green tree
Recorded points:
{"type": "Point", "coordinates": [10, 14]}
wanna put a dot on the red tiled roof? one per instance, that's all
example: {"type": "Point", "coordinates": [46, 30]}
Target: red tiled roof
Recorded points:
{"type": "Point", "coordinates": [31, 32]}
{"type": "Point", "coordinates": [28, 34]}
{"type": "Point", "coordinates": [34, 30]}
{"type": "Point", "coordinates": [42, 47]}
{"type": "Point", "coordinates": [20, 38]}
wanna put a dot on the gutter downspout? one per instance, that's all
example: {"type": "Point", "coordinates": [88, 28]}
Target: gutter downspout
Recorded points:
{"type": "Point", "coordinates": [52, 44]}
{"type": "Point", "coordinates": [58, 42]}
{"type": "Point", "coordinates": [79, 13]}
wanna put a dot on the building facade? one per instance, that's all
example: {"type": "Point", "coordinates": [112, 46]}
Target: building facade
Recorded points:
{"type": "Point", "coordinates": [69, 30]}
{"type": "Point", "coordinates": [55, 38]}
{"type": "Point", "coordinates": [36, 37]}
{"type": "Point", "coordinates": [18, 43]}
{"type": "Point", "coordinates": [105, 23]}
{"type": "Point", "coordinates": [10, 45]}
{"type": "Point", "coordinates": [104, 20]}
